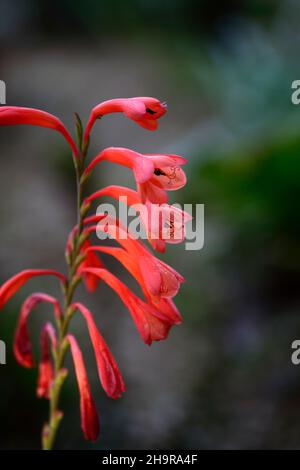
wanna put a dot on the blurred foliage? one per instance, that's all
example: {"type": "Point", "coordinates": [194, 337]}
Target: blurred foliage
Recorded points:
{"type": "Point", "coordinates": [255, 194]}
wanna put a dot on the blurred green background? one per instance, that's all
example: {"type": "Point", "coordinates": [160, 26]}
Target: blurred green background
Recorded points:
{"type": "Point", "coordinates": [224, 379]}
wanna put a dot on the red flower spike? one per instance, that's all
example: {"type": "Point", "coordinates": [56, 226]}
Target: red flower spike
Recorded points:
{"type": "Point", "coordinates": [164, 305]}
{"type": "Point", "coordinates": [145, 111]}
{"type": "Point", "coordinates": [109, 374]}
{"type": "Point", "coordinates": [89, 417]}
{"type": "Point", "coordinates": [151, 324]}
{"type": "Point", "coordinates": [46, 372]}
{"type": "Point", "coordinates": [22, 345]}
{"type": "Point", "coordinates": [10, 287]}
{"type": "Point", "coordinates": [161, 279]}
{"type": "Point", "coordinates": [15, 115]}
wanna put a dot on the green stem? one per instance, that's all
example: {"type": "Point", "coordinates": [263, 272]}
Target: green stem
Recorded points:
{"type": "Point", "coordinates": [55, 416]}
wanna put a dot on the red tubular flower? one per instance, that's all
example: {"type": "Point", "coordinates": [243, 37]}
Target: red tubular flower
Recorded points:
{"type": "Point", "coordinates": [22, 345]}
{"type": "Point", "coordinates": [163, 223]}
{"type": "Point", "coordinates": [109, 374]}
{"type": "Point", "coordinates": [46, 372]}
{"type": "Point", "coordinates": [10, 287]}
{"type": "Point", "coordinates": [155, 313]}
{"type": "Point", "coordinates": [151, 323]}
{"type": "Point", "coordinates": [89, 417]}
{"type": "Point", "coordinates": [168, 176]}
{"type": "Point", "coordinates": [154, 174]}
{"type": "Point", "coordinates": [164, 305]}
{"type": "Point", "coordinates": [145, 111]}
{"type": "Point", "coordinates": [142, 167]}
{"type": "Point", "coordinates": [161, 280]}
{"type": "Point", "coordinates": [15, 115]}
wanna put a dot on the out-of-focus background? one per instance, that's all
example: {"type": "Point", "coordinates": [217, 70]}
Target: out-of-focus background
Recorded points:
{"type": "Point", "coordinates": [224, 379]}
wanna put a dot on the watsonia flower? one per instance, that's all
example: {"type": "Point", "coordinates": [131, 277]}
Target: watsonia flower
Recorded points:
{"type": "Point", "coordinates": [153, 311]}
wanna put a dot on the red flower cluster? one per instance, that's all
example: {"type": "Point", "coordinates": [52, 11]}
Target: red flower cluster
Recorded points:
{"type": "Point", "coordinates": [155, 313]}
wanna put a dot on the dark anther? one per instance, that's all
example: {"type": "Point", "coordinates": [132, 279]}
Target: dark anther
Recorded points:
{"type": "Point", "coordinates": [150, 111]}
{"type": "Point", "coordinates": [159, 172]}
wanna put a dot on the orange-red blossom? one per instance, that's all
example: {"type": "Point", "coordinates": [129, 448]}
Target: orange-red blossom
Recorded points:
{"type": "Point", "coordinates": [154, 311]}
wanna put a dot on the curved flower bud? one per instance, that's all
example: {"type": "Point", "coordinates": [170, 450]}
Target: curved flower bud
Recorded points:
{"type": "Point", "coordinates": [10, 287]}
{"type": "Point", "coordinates": [151, 324]}
{"type": "Point", "coordinates": [109, 373]}
{"type": "Point", "coordinates": [89, 417]}
{"type": "Point", "coordinates": [145, 111]}
{"type": "Point", "coordinates": [15, 115]}
{"type": "Point", "coordinates": [46, 372]}
{"type": "Point", "coordinates": [22, 345]}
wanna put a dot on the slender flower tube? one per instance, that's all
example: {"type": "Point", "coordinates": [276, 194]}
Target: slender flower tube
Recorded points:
{"type": "Point", "coordinates": [164, 305]}
{"type": "Point", "coordinates": [22, 344]}
{"type": "Point", "coordinates": [10, 287]}
{"type": "Point", "coordinates": [89, 417]}
{"type": "Point", "coordinates": [109, 373]}
{"type": "Point", "coordinates": [46, 372]}
{"type": "Point", "coordinates": [145, 111]}
{"type": "Point", "coordinates": [154, 174]}
{"type": "Point", "coordinates": [160, 278]}
{"type": "Point", "coordinates": [155, 313]}
{"type": "Point", "coordinates": [15, 115]}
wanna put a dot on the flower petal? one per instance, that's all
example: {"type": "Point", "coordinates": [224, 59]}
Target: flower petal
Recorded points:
{"type": "Point", "coordinates": [164, 305]}
{"type": "Point", "coordinates": [142, 167]}
{"type": "Point", "coordinates": [109, 373]}
{"type": "Point", "coordinates": [46, 372]}
{"type": "Point", "coordinates": [91, 261]}
{"type": "Point", "coordinates": [152, 193]}
{"type": "Point", "coordinates": [22, 344]}
{"type": "Point", "coordinates": [89, 417]}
